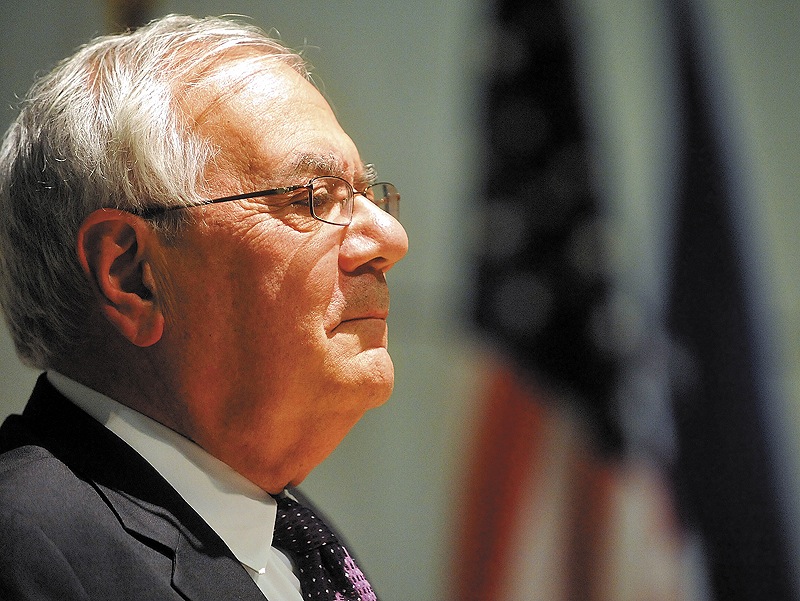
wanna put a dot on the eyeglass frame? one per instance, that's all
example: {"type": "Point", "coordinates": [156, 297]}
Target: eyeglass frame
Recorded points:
{"type": "Point", "coordinates": [309, 187]}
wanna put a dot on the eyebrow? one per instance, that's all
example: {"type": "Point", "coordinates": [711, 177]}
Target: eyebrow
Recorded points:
{"type": "Point", "coordinates": [307, 164]}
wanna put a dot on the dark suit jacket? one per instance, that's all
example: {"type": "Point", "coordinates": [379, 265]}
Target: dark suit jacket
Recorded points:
{"type": "Point", "coordinates": [83, 516]}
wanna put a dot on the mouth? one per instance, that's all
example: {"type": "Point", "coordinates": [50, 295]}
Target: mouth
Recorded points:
{"type": "Point", "coordinates": [363, 322]}
{"type": "Point", "coordinates": [382, 315]}
{"type": "Point", "coordinates": [377, 318]}
{"type": "Point", "coordinates": [365, 303]}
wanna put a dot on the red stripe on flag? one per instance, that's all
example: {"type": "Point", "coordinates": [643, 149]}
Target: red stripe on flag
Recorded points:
{"type": "Point", "coordinates": [593, 484]}
{"type": "Point", "coordinates": [508, 442]}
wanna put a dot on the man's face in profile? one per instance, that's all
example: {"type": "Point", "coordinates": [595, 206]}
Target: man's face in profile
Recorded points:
{"type": "Point", "coordinates": [279, 319]}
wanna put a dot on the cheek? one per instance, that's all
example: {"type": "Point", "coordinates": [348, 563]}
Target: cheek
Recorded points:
{"type": "Point", "coordinates": [282, 307]}
{"type": "Point", "coordinates": [258, 296]}
{"type": "Point", "coordinates": [309, 292]}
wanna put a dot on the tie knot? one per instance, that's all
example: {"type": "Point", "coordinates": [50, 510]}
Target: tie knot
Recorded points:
{"type": "Point", "coordinates": [298, 529]}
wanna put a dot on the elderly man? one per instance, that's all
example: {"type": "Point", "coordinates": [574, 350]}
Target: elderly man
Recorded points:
{"type": "Point", "coordinates": [194, 252]}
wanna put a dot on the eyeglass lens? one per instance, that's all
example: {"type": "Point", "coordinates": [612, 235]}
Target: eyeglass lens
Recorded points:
{"type": "Point", "coordinates": [386, 196]}
{"type": "Point", "coordinates": [332, 199]}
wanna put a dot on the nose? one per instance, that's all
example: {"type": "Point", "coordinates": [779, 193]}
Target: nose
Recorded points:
{"type": "Point", "coordinates": [373, 239]}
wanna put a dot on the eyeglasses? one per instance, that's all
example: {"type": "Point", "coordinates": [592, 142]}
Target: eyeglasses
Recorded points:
{"type": "Point", "coordinates": [329, 199]}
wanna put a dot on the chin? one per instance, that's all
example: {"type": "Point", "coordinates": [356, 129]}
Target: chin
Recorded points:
{"type": "Point", "coordinates": [369, 368]}
{"type": "Point", "coordinates": [378, 382]}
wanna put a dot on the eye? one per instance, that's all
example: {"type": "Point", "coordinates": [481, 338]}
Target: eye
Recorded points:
{"type": "Point", "coordinates": [330, 191]}
{"type": "Point", "coordinates": [321, 195]}
{"type": "Point", "coordinates": [298, 198]}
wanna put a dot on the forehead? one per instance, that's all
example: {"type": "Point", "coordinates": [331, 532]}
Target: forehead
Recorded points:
{"type": "Point", "coordinates": [268, 122]}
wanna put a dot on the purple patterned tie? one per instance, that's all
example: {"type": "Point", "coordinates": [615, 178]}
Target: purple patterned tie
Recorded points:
{"type": "Point", "coordinates": [325, 568]}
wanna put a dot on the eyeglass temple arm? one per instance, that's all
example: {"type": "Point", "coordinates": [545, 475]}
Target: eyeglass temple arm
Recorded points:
{"type": "Point", "coordinates": [152, 212]}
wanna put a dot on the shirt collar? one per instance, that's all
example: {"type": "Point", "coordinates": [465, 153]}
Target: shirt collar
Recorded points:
{"type": "Point", "coordinates": [241, 513]}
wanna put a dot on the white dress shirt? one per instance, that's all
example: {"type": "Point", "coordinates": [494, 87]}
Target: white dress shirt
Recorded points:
{"type": "Point", "coordinates": [241, 513]}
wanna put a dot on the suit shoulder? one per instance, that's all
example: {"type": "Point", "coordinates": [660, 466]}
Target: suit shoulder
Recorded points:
{"type": "Point", "coordinates": [61, 540]}
{"type": "Point", "coordinates": [28, 463]}
{"type": "Point", "coordinates": [35, 483]}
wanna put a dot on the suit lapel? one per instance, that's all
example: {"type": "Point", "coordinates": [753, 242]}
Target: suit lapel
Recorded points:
{"type": "Point", "coordinates": [146, 505]}
{"type": "Point", "coordinates": [203, 566]}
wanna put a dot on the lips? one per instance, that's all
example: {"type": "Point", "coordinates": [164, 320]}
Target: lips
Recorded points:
{"type": "Point", "coordinates": [377, 314]}
{"type": "Point", "coordinates": [365, 300]}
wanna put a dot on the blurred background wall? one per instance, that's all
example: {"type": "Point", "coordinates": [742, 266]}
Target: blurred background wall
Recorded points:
{"type": "Point", "coordinates": [405, 81]}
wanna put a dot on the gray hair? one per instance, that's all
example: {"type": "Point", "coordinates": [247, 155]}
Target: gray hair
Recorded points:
{"type": "Point", "coordinates": [105, 128]}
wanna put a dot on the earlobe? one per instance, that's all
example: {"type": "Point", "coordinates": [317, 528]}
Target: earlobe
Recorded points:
{"type": "Point", "coordinates": [113, 252]}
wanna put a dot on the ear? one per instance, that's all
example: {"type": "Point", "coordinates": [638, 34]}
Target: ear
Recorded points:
{"type": "Point", "coordinates": [113, 249]}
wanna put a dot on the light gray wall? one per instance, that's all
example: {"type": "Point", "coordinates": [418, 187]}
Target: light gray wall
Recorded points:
{"type": "Point", "coordinates": [399, 75]}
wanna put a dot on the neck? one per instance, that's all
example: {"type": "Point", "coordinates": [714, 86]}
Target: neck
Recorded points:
{"type": "Point", "coordinates": [133, 376]}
